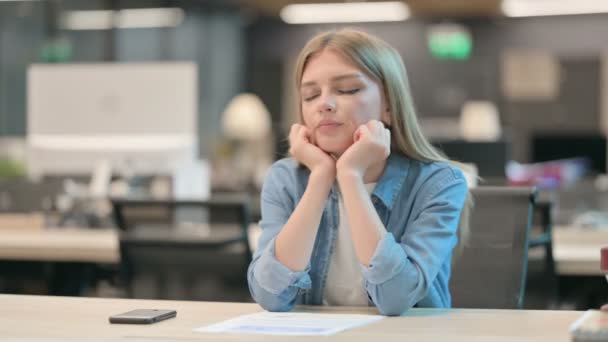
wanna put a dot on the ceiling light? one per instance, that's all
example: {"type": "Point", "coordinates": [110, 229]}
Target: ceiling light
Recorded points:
{"type": "Point", "coordinates": [344, 12]}
{"type": "Point", "coordinates": [531, 8]}
{"type": "Point", "coordinates": [149, 17]}
{"type": "Point", "coordinates": [88, 20]}
{"type": "Point", "coordinates": [127, 18]}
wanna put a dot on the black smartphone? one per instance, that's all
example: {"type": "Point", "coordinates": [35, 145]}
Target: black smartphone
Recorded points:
{"type": "Point", "coordinates": [143, 316]}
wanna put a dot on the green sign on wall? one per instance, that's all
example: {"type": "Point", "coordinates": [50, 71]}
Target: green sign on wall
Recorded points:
{"type": "Point", "coordinates": [450, 41]}
{"type": "Point", "coordinates": [56, 51]}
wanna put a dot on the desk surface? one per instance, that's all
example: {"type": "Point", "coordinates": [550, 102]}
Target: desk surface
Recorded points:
{"type": "Point", "coordinates": [76, 318]}
{"type": "Point", "coordinates": [576, 251]}
{"type": "Point", "coordinates": [75, 244]}
{"type": "Point", "coordinates": [60, 244]}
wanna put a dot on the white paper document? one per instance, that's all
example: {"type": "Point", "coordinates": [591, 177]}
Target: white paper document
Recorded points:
{"type": "Point", "coordinates": [290, 323]}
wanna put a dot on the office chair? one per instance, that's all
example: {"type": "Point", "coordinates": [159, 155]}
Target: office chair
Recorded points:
{"type": "Point", "coordinates": [490, 157]}
{"type": "Point", "coordinates": [184, 250]}
{"type": "Point", "coordinates": [542, 285]}
{"type": "Point", "coordinates": [491, 270]}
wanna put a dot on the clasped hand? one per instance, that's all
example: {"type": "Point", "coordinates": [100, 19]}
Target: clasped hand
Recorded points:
{"type": "Point", "coordinates": [371, 145]}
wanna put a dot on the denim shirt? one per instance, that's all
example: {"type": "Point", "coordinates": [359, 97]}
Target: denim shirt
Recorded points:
{"type": "Point", "coordinates": [419, 203]}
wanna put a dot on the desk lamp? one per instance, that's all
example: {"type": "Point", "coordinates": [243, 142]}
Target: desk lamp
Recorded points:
{"type": "Point", "coordinates": [246, 122]}
{"type": "Point", "coordinates": [479, 121]}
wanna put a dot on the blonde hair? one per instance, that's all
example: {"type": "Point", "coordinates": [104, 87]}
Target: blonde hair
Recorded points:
{"type": "Point", "coordinates": [380, 61]}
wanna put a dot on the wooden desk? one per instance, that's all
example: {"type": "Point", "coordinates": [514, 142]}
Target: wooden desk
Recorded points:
{"type": "Point", "coordinates": [60, 244]}
{"type": "Point", "coordinates": [33, 317]}
{"type": "Point", "coordinates": [577, 251]}
{"type": "Point", "coordinates": [69, 244]}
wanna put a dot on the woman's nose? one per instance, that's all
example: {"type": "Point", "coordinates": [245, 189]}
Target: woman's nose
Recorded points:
{"type": "Point", "coordinates": [327, 104]}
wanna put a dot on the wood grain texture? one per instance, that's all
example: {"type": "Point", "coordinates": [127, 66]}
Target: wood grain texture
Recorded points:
{"type": "Point", "coordinates": [59, 318]}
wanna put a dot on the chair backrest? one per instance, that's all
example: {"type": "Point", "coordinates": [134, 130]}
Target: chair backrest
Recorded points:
{"type": "Point", "coordinates": [188, 250]}
{"type": "Point", "coordinates": [24, 196]}
{"type": "Point", "coordinates": [490, 272]}
{"type": "Point", "coordinates": [129, 213]}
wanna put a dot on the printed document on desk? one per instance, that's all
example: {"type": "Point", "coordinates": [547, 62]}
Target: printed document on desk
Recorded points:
{"type": "Point", "coordinates": [290, 323]}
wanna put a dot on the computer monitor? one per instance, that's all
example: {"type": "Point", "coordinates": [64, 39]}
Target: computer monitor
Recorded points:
{"type": "Point", "coordinates": [490, 157]}
{"type": "Point", "coordinates": [591, 146]}
{"type": "Point", "coordinates": [136, 115]}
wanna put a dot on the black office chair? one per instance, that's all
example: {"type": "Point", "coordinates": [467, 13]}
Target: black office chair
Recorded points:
{"type": "Point", "coordinates": [185, 250]}
{"type": "Point", "coordinates": [542, 285]}
{"type": "Point", "coordinates": [490, 157]}
{"type": "Point", "coordinates": [491, 270]}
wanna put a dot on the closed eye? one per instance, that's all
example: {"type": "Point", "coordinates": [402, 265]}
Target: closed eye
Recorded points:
{"type": "Point", "coordinates": [310, 98]}
{"type": "Point", "coordinates": [349, 91]}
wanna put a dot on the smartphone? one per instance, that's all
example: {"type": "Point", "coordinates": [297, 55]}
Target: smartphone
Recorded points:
{"type": "Point", "coordinates": [143, 316]}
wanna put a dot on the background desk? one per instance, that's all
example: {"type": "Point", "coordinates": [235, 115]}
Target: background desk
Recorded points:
{"type": "Point", "coordinates": [64, 261]}
{"type": "Point", "coordinates": [71, 261]}
{"type": "Point", "coordinates": [60, 245]}
{"type": "Point", "coordinates": [576, 251]}
{"type": "Point", "coordinates": [69, 244]}
{"type": "Point", "coordinates": [87, 318]}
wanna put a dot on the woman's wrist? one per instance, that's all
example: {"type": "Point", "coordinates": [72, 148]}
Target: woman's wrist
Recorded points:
{"type": "Point", "coordinates": [320, 177]}
{"type": "Point", "coordinates": [347, 175]}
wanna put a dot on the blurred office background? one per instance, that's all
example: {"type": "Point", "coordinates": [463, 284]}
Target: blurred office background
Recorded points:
{"type": "Point", "coordinates": [119, 117]}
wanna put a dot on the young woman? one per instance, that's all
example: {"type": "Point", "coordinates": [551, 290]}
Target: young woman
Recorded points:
{"type": "Point", "coordinates": [366, 212]}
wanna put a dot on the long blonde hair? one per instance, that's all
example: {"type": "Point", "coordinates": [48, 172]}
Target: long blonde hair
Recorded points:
{"type": "Point", "coordinates": [380, 61]}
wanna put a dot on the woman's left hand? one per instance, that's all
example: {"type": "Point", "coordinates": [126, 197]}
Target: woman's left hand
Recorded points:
{"type": "Point", "coordinates": [372, 144]}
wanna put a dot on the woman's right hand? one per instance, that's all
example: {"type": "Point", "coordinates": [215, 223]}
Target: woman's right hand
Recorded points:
{"type": "Point", "coordinates": [307, 153]}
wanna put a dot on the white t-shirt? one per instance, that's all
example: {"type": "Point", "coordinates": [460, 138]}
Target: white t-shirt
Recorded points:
{"type": "Point", "coordinates": [344, 285]}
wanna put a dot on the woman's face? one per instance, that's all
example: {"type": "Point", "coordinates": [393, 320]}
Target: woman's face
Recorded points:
{"type": "Point", "coordinates": [337, 98]}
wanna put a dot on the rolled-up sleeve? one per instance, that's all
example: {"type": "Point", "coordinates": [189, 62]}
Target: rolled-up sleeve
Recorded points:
{"type": "Point", "coordinates": [401, 272]}
{"type": "Point", "coordinates": [272, 284]}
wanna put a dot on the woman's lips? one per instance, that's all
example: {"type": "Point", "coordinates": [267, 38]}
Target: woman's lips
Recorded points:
{"type": "Point", "coordinates": [328, 126]}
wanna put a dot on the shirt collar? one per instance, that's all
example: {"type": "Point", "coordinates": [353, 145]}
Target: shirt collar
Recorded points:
{"type": "Point", "coordinates": [391, 181]}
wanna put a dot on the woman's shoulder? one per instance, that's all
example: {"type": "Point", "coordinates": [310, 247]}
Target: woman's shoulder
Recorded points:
{"type": "Point", "coordinates": [286, 171]}
{"type": "Point", "coordinates": [285, 166]}
{"type": "Point", "coordinates": [448, 168]}
{"type": "Point", "coordinates": [435, 177]}
{"type": "Point", "coordinates": [437, 171]}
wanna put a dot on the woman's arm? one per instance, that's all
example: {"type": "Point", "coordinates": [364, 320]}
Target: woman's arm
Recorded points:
{"type": "Point", "coordinates": [294, 244]}
{"type": "Point", "coordinates": [279, 266]}
{"type": "Point", "coordinates": [274, 282]}
{"type": "Point", "coordinates": [365, 225]}
{"type": "Point", "coordinates": [366, 158]}
{"type": "Point", "coordinates": [400, 273]}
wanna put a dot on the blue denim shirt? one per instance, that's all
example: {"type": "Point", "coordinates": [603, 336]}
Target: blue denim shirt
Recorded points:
{"type": "Point", "coordinates": [419, 204]}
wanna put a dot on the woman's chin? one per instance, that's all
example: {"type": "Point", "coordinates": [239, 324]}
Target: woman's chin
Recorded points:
{"type": "Point", "coordinates": [332, 146]}
{"type": "Point", "coordinates": [334, 150]}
